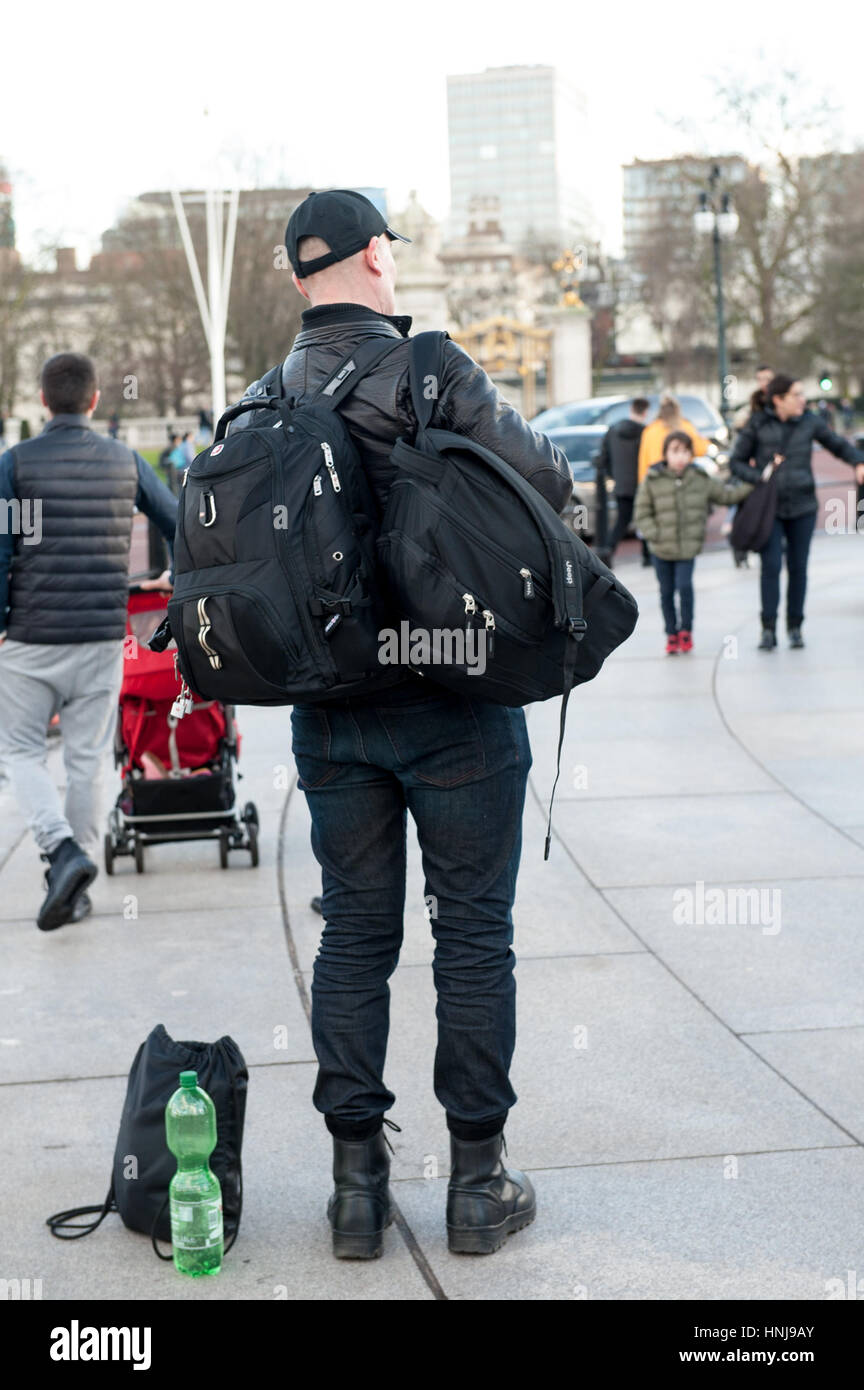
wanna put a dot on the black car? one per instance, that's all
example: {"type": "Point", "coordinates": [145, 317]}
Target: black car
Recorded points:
{"type": "Point", "coordinates": [581, 444]}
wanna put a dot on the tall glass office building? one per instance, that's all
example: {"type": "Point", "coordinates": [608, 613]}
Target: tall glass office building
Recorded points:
{"type": "Point", "coordinates": [520, 134]}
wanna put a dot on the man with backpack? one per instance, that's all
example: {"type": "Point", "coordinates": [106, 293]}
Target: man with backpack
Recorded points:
{"type": "Point", "coordinates": [68, 497]}
{"type": "Point", "coordinates": [458, 764]}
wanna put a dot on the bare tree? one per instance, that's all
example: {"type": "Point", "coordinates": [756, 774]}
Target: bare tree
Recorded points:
{"type": "Point", "coordinates": [23, 315]}
{"type": "Point", "coordinates": [775, 261]}
{"type": "Point", "coordinates": [265, 308]}
{"type": "Point", "coordinates": [146, 330]}
{"type": "Point", "coordinates": [838, 316]}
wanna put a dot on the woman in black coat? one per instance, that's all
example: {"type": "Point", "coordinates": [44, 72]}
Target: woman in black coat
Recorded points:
{"type": "Point", "coordinates": [779, 438]}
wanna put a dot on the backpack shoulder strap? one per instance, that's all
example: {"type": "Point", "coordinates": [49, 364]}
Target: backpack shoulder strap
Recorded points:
{"type": "Point", "coordinates": [351, 370]}
{"type": "Point", "coordinates": [271, 382]}
{"type": "Point", "coordinates": [426, 370]}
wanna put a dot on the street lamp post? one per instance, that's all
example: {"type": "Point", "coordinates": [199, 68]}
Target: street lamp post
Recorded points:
{"type": "Point", "coordinates": [720, 221]}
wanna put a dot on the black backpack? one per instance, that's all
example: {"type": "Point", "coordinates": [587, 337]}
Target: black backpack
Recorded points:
{"type": "Point", "coordinates": [139, 1193]}
{"type": "Point", "coordinates": [275, 592]}
{"type": "Point", "coordinates": [470, 550]}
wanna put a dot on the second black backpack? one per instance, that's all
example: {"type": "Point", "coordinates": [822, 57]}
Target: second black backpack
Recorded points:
{"type": "Point", "coordinates": [469, 548]}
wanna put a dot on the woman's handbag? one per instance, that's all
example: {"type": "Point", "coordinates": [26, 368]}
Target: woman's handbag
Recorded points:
{"type": "Point", "coordinates": [754, 519]}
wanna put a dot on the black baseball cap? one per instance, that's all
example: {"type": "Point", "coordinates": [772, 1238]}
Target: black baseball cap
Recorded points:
{"type": "Point", "coordinates": [344, 219]}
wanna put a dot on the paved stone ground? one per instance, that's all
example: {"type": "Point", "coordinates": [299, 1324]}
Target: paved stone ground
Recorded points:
{"type": "Point", "coordinates": [691, 1103]}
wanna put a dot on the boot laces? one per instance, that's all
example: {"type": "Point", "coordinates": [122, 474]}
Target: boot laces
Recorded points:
{"type": "Point", "coordinates": [392, 1124]}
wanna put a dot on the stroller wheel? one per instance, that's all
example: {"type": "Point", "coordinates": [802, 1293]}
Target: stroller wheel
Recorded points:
{"type": "Point", "coordinates": [223, 849]}
{"type": "Point", "coordinates": [252, 841]}
{"type": "Point", "coordinates": [250, 814]}
{"type": "Point", "coordinates": [109, 854]}
{"type": "Point", "coordinates": [139, 855]}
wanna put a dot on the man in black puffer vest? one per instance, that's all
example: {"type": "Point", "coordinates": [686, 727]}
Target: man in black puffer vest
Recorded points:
{"type": "Point", "coordinates": [66, 504]}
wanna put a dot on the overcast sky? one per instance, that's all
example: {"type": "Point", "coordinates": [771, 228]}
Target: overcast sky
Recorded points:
{"type": "Point", "coordinates": [102, 101]}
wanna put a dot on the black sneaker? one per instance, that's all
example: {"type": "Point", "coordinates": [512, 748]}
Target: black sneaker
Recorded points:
{"type": "Point", "coordinates": [795, 638]}
{"type": "Point", "coordinates": [769, 640]}
{"type": "Point", "coordinates": [70, 872]}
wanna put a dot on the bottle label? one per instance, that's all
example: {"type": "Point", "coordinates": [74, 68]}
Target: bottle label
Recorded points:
{"type": "Point", "coordinates": [196, 1225]}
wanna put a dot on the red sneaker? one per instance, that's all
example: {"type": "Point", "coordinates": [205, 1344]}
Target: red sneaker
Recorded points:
{"type": "Point", "coordinates": [685, 641]}
{"type": "Point", "coordinates": [672, 644]}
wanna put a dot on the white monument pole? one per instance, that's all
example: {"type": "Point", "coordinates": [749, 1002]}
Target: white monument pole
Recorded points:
{"type": "Point", "coordinates": [212, 306]}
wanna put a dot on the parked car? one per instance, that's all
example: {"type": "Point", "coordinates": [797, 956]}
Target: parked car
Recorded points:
{"type": "Point", "coordinates": [581, 444]}
{"type": "Point", "coordinates": [607, 410]}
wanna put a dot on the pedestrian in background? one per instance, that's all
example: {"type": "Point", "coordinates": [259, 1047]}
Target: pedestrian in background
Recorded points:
{"type": "Point", "coordinates": [669, 418]}
{"type": "Point", "coordinates": [64, 582]}
{"type": "Point", "coordinates": [205, 429]}
{"type": "Point", "coordinates": [165, 457]}
{"type": "Point", "coordinates": [619, 460]}
{"type": "Point", "coordinates": [778, 442]}
{"type": "Point", "coordinates": [672, 507]}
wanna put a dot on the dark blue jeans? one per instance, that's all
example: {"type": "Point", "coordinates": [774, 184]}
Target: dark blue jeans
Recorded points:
{"type": "Point", "coordinates": [676, 576]}
{"type": "Point", "coordinates": [797, 534]}
{"type": "Point", "coordinates": [460, 767]}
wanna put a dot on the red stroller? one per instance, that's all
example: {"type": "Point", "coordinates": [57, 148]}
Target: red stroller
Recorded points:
{"type": "Point", "coordinates": [177, 775]}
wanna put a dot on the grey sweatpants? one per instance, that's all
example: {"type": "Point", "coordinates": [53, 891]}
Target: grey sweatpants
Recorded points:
{"type": "Point", "coordinates": [80, 681]}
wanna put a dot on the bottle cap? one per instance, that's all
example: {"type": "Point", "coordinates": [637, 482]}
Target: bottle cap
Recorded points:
{"type": "Point", "coordinates": [188, 1078]}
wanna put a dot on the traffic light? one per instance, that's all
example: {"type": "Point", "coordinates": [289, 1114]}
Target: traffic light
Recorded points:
{"type": "Point", "coordinates": [826, 383]}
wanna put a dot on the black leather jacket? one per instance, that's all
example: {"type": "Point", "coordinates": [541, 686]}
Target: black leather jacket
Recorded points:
{"type": "Point", "coordinates": [378, 411]}
{"type": "Point", "coordinates": [765, 435]}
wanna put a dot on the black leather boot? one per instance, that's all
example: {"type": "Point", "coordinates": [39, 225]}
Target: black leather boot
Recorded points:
{"type": "Point", "coordinates": [796, 641]}
{"type": "Point", "coordinates": [69, 874]}
{"type": "Point", "coordinates": [361, 1209]}
{"type": "Point", "coordinates": [486, 1202]}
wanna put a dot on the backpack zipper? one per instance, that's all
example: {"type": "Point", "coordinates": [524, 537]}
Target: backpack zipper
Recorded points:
{"type": "Point", "coordinates": [527, 583]}
{"type": "Point", "coordinates": [203, 629]}
{"type": "Point", "coordinates": [331, 467]}
{"type": "Point", "coordinates": [316, 485]}
{"type": "Point", "coordinates": [490, 631]}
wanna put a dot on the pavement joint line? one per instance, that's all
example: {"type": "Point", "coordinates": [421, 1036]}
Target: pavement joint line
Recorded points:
{"type": "Point", "coordinates": [118, 1076]}
{"type": "Point", "coordinates": [412, 1245]}
{"type": "Point", "coordinates": [753, 756]}
{"type": "Point", "coordinates": [665, 1158]}
{"type": "Point", "coordinates": [733, 882]}
{"type": "Point", "coordinates": [664, 965]}
{"type": "Point", "coordinates": [808, 1028]}
{"type": "Point", "coordinates": [662, 796]}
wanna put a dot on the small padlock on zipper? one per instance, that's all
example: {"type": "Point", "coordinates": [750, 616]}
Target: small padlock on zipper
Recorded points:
{"type": "Point", "coordinates": [183, 703]}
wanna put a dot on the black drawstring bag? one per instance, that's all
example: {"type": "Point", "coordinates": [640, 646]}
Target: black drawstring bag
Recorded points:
{"type": "Point", "coordinates": [142, 1200]}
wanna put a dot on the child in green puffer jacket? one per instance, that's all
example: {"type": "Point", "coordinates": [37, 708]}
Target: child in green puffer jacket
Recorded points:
{"type": "Point", "coordinates": [671, 512]}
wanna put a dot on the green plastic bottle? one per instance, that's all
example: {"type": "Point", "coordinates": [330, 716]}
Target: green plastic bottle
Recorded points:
{"type": "Point", "coordinates": [195, 1196]}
